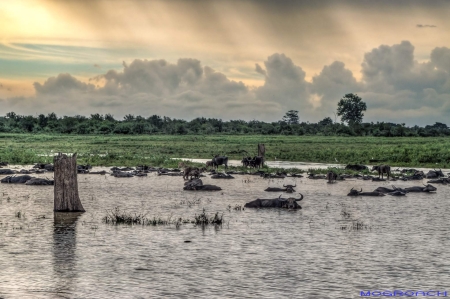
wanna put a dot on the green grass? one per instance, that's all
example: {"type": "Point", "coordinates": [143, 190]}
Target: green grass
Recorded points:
{"type": "Point", "coordinates": [157, 150]}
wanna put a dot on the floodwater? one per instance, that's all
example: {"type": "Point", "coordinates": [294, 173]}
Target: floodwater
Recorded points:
{"type": "Point", "coordinates": [272, 253]}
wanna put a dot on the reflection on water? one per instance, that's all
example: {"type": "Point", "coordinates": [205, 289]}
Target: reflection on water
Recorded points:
{"type": "Point", "coordinates": [64, 255]}
{"type": "Point", "coordinates": [257, 253]}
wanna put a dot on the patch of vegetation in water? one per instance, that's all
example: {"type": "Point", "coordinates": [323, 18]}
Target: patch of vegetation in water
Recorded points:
{"type": "Point", "coordinates": [118, 216]}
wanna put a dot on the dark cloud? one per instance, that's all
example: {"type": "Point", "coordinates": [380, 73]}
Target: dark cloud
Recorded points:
{"type": "Point", "coordinates": [425, 26]}
{"type": "Point", "coordinates": [260, 70]}
{"type": "Point", "coordinates": [62, 84]}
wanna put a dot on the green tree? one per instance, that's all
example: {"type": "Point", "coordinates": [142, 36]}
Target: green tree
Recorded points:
{"type": "Point", "coordinates": [351, 108]}
{"type": "Point", "coordinates": [291, 117]}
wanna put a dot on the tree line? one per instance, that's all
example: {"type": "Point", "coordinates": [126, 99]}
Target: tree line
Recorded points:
{"type": "Point", "coordinates": [155, 124]}
{"type": "Point", "coordinates": [350, 108]}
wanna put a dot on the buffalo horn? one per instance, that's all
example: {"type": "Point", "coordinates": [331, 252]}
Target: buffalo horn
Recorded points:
{"type": "Point", "coordinates": [279, 196]}
{"type": "Point", "coordinates": [361, 190]}
{"type": "Point", "coordinates": [301, 197]}
{"type": "Point", "coordinates": [284, 186]}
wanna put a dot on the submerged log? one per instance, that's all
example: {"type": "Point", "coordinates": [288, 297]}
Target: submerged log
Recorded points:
{"type": "Point", "coordinates": [66, 198]}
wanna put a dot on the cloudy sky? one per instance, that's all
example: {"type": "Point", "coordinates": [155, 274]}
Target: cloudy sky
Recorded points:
{"type": "Point", "coordinates": [239, 59]}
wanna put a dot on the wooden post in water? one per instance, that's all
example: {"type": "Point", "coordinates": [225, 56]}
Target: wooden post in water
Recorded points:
{"type": "Point", "coordinates": [261, 151]}
{"type": "Point", "coordinates": [66, 197]}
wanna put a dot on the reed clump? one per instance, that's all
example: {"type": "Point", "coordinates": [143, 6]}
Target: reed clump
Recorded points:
{"type": "Point", "coordinates": [117, 216]}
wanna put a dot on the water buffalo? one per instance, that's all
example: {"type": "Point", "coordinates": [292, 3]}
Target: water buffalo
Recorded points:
{"type": "Point", "coordinates": [426, 188]}
{"type": "Point", "coordinates": [48, 167]}
{"type": "Point", "coordinates": [197, 185]}
{"type": "Point", "coordinates": [418, 175]}
{"type": "Point", "coordinates": [360, 193]}
{"type": "Point", "coordinates": [246, 161]}
{"type": "Point", "coordinates": [191, 172]}
{"type": "Point", "coordinates": [220, 160]}
{"type": "Point", "coordinates": [444, 181]}
{"type": "Point", "coordinates": [7, 171]}
{"type": "Point", "coordinates": [83, 168]}
{"type": "Point", "coordinates": [21, 179]}
{"type": "Point", "coordinates": [145, 167]}
{"type": "Point", "coordinates": [257, 162]}
{"type": "Point", "coordinates": [382, 169]}
{"type": "Point", "coordinates": [122, 174]}
{"type": "Point", "coordinates": [433, 174]}
{"type": "Point", "coordinates": [40, 181]}
{"type": "Point", "coordinates": [389, 190]}
{"type": "Point", "coordinates": [2, 163]}
{"type": "Point", "coordinates": [331, 177]}
{"type": "Point", "coordinates": [222, 176]}
{"type": "Point", "coordinates": [286, 203]}
{"type": "Point", "coordinates": [356, 167]}
{"type": "Point", "coordinates": [316, 176]}
{"type": "Point", "coordinates": [286, 188]}
{"type": "Point", "coordinates": [102, 172]}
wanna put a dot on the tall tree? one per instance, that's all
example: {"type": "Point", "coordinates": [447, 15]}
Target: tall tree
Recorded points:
{"type": "Point", "coordinates": [291, 117]}
{"type": "Point", "coordinates": [351, 108]}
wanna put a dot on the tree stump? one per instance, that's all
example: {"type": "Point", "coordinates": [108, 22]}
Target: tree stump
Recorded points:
{"type": "Point", "coordinates": [261, 151]}
{"type": "Point", "coordinates": [66, 197]}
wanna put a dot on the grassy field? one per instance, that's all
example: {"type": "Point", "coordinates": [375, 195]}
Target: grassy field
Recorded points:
{"type": "Point", "coordinates": [157, 150]}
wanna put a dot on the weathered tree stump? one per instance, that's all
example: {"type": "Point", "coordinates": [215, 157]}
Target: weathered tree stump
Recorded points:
{"type": "Point", "coordinates": [262, 152]}
{"type": "Point", "coordinates": [66, 197]}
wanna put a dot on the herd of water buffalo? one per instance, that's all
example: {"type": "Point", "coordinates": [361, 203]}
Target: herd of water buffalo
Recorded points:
{"type": "Point", "coordinates": [191, 176]}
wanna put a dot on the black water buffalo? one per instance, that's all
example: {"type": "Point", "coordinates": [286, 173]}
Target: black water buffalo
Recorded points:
{"type": "Point", "coordinates": [389, 190]}
{"type": "Point", "coordinates": [83, 168]}
{"type": "Point", "coordinates": [418, 175]}
{"type": "Point", "coordinates": [433, 174]}
{"type": "Point", "coordinates": [7, 171]}
{"type": "Point", "coordinates": [48, 167]}
{"type": "Point", "coordinates": [2, 163]}
{"type": "Point", "coordinates": [356, 167]}
{"type": "Point", "coordinates": [331, 177]}
{"type": "Point", "coordinates": [286, 188]}
{"type": "Point", "coordinates": [219, 160]}
{"type": "Point", "coordinates": [122, 174]}
{"type": "Point", "coordinates": [222, 176]}
{"type": "Point", "coordinates": [197, 185]}
{"type": "Point", "coordinates": [444, 181]}
{"type": "Point", "coordinates": [257, 162]}
{"type": "Point", "coordinates": [354, 192]}
{"type": "Point", "coordinates": [102, 172]}
{"type": "Point", "coordinates": [316, 176]}
{"type": "Point", "coordinates": [286, 203]}
{"type": "Point", "coordinates": [40, 181]}
{"type": "Point", "coordinates": [426, 188]}
{"type": "Point", "coordinates": [382, 169]}
{"type": "Point", "coordinates": [21, 179]}
{"type": "Point", "coordinates": [246, 161]}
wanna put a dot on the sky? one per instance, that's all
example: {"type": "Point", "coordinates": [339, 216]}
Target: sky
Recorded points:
{"type": "Point", "coordinates": [235, 59]}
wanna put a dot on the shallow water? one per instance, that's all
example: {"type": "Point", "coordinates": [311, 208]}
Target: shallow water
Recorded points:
{"type": "Point", "coordinates": [308, 253]}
